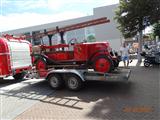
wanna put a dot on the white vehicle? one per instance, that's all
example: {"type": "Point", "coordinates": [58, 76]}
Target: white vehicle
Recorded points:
{"type": "Point", "coordinates": [15, 57]}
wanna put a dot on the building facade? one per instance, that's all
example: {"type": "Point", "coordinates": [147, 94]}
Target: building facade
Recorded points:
{"type": "Point", "coordinates": [104, 32]}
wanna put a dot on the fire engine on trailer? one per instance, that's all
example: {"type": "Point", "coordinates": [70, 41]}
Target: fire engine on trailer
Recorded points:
{"type": "Point", "coordinates": [72, 64]}
{"type": "Point", "coordinates": [82, 55]}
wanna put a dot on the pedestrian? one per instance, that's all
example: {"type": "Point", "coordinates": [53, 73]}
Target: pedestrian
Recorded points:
{"type": "Point", "coordinates": [124, 50]}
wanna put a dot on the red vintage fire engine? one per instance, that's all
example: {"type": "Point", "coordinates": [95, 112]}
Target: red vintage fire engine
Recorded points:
{"type": "Point", "coordinates": [15, 56]}
{"type": "Point", "coordinates": [96, 55]}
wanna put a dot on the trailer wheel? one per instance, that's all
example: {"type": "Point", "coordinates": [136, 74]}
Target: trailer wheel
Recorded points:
{"type": "Point", "coordinates": [19, 76]}
{"type": "Point", "coordinates": [103, 64]}
{"type": "Point", "coordinates": [74, 83]}
{"type": "Point", "coordinates": [55, 81]}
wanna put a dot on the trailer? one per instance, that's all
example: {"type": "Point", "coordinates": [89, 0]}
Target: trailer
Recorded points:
{"type": "Point", "coordinates": [74, 79]}
{"type": "Point", "coordinates": [60, 65]}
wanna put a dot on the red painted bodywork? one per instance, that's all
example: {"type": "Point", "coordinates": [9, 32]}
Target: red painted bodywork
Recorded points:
{"type": "Point", "coordinates": [5, 67]}
{"type": "Point", "coordinates": [81, 52]}
{"type": "Point", "coordinates": [5, 59]}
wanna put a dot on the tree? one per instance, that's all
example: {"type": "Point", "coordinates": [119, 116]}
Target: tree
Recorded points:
{"type": "Point", "coordinates": [134, 16]}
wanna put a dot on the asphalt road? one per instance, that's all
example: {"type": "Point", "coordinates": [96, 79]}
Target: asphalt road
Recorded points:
{"type": "Point", "coordinates": [136, 100]}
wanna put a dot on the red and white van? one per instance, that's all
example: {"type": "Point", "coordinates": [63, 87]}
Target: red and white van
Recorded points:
{"type": "Point", "coordinates": [15, 56]}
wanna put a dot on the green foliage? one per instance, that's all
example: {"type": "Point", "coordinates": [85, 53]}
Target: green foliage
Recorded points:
{"type": "Point", "coordinates": [151, 36]}
{"type": "Point", "coordinates": [91, 38]}
{"type": "Point", "coordinates": [156, 29]}
{"type": "Point", "coordinates": [134, 16]}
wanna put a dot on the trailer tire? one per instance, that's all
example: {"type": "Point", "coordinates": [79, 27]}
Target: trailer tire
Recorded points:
{"type": "Point", "coordinates": [55, 81]}
{"type": "Point", "coordinates": [19, 76]}
{"type": "Point", "coordinates": [74, 82]}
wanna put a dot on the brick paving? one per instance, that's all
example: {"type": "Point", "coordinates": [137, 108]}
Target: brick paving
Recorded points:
{"type": "Point", "coordinates": [16, 97]}
{"type": "Point", "coordinates": [136, 100]}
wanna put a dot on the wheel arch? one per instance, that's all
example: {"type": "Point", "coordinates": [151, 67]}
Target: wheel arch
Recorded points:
{"type": "Point", "coordinates": [97, 53]}
{"type": "Point", "coordinates": [65, 73]}
{"type": "Point", "coordinates": [40, 57]}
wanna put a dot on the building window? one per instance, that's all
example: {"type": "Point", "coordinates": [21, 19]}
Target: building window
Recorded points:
{"type": "Point", "coordinates": [55, 39]}
{"type": "Point", "coordinates": [36, 40]}
{"type": "Point", "coordinates": [78, 35]}
{"type": "Point", "coordinates": [27, 34]}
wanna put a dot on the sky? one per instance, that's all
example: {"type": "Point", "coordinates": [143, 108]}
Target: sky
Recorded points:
{"type": "Point", "coordinates": [15, 14]}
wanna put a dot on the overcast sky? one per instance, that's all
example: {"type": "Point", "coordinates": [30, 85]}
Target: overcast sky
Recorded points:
{"type": "Point", "coordinates": [16, 14]}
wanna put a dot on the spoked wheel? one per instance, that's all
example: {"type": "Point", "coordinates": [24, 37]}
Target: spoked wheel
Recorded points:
{"type": "Point", "coordinates": [41, 67]}
{"type": "Point", "coordinates": [74, 82]}
{"type": "Point", "coordinates": [55, 81]}
{"type": "Point", "coordinates": [102, 64]}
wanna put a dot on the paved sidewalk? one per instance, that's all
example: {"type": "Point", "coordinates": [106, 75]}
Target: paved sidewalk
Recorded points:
{"type": "Point", "coordinates": [136, 100]}
{"type": "Point", "coordinates": [18, 97]}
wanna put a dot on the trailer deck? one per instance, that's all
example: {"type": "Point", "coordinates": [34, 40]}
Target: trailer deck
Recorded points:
{"type": "Point", "coordinates": [118, 75]}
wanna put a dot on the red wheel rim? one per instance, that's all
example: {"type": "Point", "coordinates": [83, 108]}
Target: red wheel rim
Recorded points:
{"type": "Point", "coordinates": [102, 65]}
{"type": "Point", "coordinates": [41, 67]}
